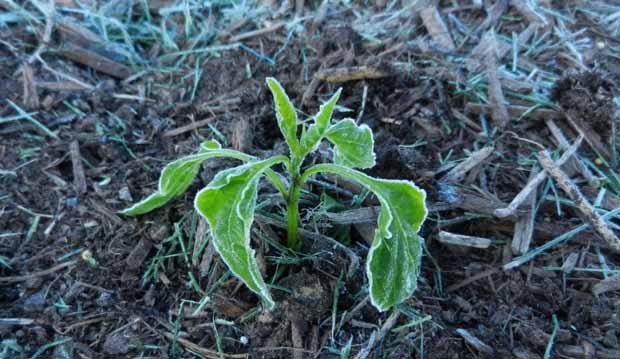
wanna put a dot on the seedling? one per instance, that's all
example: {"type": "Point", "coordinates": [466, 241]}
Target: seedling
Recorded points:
{"type": "Point", "coordinates": [228, 202]}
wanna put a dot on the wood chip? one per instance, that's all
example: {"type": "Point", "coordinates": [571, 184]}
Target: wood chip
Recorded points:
{"type": "Point", "coordinates": [95, 61]}
{"type": "Point", "coordinates": [138, 254]}
{"type": "Point", "coordinates": [199, 238]}
{"type": "Point", "coordinates": [524, 227]}
{"type": "Point", "coordinates": [61, 86]}
{"type": "Point", "coordinates": [457, 173]}
{"type": "Point", "coordinates": [84, 47]}
{"type": "Point", "coordinates": [570, 262]}
{"type": "Point", "coordinates": [607, 285]}
{"type": "Point", "coordinates": [344, 74]}
{"type": "Point", "coordinates": [242, 135]}
{"type": "Point", "coordinates": [437, 28]}
{"type": "Point", "coordinates": [79, 177]}
{"type": "Point", "coordinates": [584, 206]}
{"type": "Point", "coordinates": [475, 342]}
{"type": "Point", "coordinates": [499, 113]}
{"type": "Point", "coordinates": [31, 96]}
{"type": "Point", "coordinates": [463, 240]}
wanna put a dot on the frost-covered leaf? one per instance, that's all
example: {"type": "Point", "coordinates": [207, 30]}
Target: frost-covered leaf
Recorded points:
{"type": "Point", "coordinates": [285, 114]}
{"type": "Point", "coordinates": [178, 175]}
{"type": "Point", "coordinates": [353, 144]}
{"type": "Point", "coordinates": [393, 261]}
{"type": "Point", "coordinates": [228, 204]}
{"type": "Point", "coordinates": [315, 133]}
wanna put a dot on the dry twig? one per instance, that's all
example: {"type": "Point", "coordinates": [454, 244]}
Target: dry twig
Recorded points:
{"type": "Point", "coordinates": [582, 203]}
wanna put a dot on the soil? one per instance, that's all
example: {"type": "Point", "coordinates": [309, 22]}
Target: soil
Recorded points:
{"type": "Point", "coordinates": [81, 281]}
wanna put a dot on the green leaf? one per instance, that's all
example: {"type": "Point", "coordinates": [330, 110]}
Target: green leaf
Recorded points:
{"type": "Point", "coordinates": [393, 261]}
{"type": "Point", "coordinates": [285, 114]}
{"type": "Point", "coordinates": [228, 204]}
{"type": "Point", "coordinates": [353, 144]}
{"type": "Point", "coordinates": [178, 175]}
{"type": "Point", "coordinates": [312, 137]}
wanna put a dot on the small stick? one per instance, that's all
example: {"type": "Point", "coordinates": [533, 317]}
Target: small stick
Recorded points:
{"type": "Point", "coordinates": [472, 279]}
{"type": "Point", "coordinates": [42, 273]}
{"type": "Point", "coordinates": [463, 240]}
{"type": "Point", "coordinates": [190, 127]}
{"type": "Point", "coordinates": [79, 178]}
{"type": "Point", "coordinates": [378, 335]}
{"type": "Point", "coordinates": [94, 60]}
{"type": "Point", "coordinates": [254, 33]}
{"type": "Point", "coordinates": [582, 203]}
{"type": "Point", "coordinates": [459, 172]}
{"type": "Point", "coordinates": [533, 184]}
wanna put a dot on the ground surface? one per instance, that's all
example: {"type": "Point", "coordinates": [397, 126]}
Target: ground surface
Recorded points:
{"type": "Point", "coordinates": [96, 99]}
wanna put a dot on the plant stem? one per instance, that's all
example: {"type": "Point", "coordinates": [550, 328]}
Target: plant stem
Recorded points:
{"type": "Point", "coordinates": [292, 209]}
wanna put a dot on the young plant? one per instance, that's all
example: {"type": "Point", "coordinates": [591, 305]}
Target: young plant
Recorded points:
{"type": "Point", "coordinates": [228, 202]}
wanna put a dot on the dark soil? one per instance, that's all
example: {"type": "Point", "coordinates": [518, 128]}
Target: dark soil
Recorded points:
{"type": "Point", "coordinates": [81, 281]}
